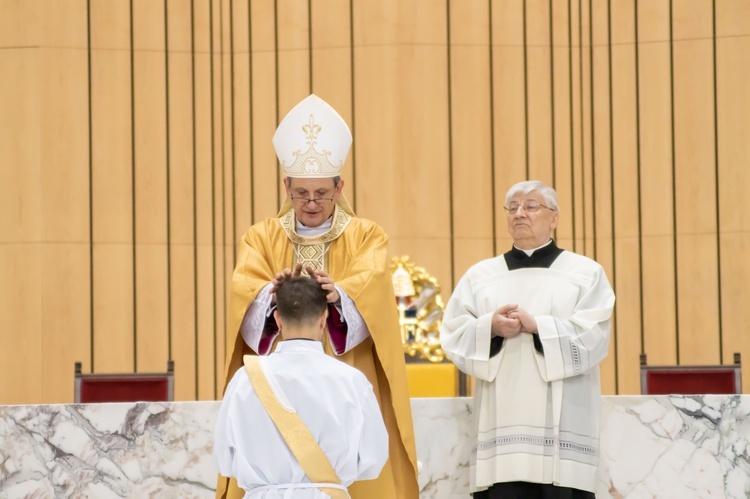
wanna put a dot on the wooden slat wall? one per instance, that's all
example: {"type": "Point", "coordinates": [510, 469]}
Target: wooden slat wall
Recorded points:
{"type": "Point", "coordinates": [655, 159]}
{"type": "Point", "coordinates": [112, 188]}
{"type": "Point", "coordinates": [136, 150]}
{"type": "Point", "coordinates": [64, 203]}
{"type": "Point", "coordinates": [623, 101]}
{"type": "Point", "coordinates": [21, 230]}
{"type": "Point", "coordinates": [732, 104]}
{"type": "Point", "coordinates": [181, 246]}
{"type": "Point", "coordinates": [472, 155]}
{"type": "Point", "coordinates": [695, 182]}
{"type": "Point", "coordinates": [209, 336]}
{"type": "Point", "coordinates": [602, 161]}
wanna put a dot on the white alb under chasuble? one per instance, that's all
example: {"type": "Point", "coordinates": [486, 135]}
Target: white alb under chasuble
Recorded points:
{"type": "Point", "coordinates": [536, 414]}
{"type": "Point", "coordinates": [336, 403]}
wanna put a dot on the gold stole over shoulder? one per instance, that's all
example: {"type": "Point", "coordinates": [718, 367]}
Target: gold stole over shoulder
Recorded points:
{"type": "Point", "coordinates": [313, 251]}
{"type": "Point", "coordinates": [295, 433]}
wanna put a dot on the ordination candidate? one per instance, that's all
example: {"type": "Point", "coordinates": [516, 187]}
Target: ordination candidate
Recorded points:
{"type": "Point", "coordinates": [297, 423]}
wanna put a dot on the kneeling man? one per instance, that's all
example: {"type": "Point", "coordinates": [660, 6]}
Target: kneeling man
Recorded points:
{"type": "Point", "coordinates": [299, 423]}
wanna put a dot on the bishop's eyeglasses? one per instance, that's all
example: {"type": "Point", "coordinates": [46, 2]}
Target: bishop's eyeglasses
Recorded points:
{"type": "Point", "coordinates": [528, 207]}
{"type": "Point", "coordinates": [316, 201]}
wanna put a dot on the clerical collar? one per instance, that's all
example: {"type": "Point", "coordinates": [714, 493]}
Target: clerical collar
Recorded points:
{"type": "Point", "coordinates": [291, 345]}
{"type": "Point", "coordinates": [306, 231]}
{"type": "Point", "coordinates": [542, 257]}
{"type": "Point", "coordinates": [531, 251]}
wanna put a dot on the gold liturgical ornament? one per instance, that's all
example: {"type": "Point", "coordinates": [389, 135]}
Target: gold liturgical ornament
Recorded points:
{"type": "Point", "coordinates": [420, 309]}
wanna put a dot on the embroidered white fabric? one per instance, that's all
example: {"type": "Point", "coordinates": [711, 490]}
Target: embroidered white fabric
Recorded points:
{"type": "Point", "coordinates": [252, 324]}
{"type": "Point", "coordinates": [357, 330]}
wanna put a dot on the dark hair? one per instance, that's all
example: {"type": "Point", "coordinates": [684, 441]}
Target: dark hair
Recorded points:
{"type": "Point", "coordinates": [300, 299]}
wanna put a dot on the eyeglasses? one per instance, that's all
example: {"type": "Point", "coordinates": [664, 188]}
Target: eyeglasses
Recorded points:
{"type": "Point", "coordinates": [315, 201]}
{"type": "Point", "coordinates": [528, 207]}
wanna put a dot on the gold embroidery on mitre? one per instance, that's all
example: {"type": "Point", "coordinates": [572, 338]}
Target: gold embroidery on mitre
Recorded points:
{"type": "Point", "coordinates": [312, 161]}
{"type": "Point", "coordinates": [313, 251]}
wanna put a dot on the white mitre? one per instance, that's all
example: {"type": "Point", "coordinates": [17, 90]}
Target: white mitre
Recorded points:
{"type": "Point", "coordinates": [312, 141]}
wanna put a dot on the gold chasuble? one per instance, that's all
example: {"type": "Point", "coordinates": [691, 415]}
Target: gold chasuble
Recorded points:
{"type": "Point", "coordinates": [354, 253]}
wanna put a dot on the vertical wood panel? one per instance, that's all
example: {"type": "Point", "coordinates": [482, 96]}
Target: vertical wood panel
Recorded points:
{"type": "Point", "coordinates": [695, 183]}
{"type": "Point", "coordinates": [21, 319]}
{"type": "Point", "coordinates": [509, 94]}
{"type": "Point", "coordinates": [204, 222]}
{"type": "Point", "coordinates": [587, 130]}
{"type": "Point", "coordinates": [241, 110]}
{"type": "Point", "coordinates": [20, 252]}
{"type": "Point", "coordinates": [62, 24]}
{"type": "Point", "coordinates": [226, 180]}
{"type": "Point", "coordinates": [656, 182]}
{"type": "Point", "coordinates": [425, 157]}
{"type": "Point", "coordinates": [471, 134]}
{"type": "Point", "coordinates": [229, 167]}
{"type": "Point", "coordinates": [575, 122]}
{"type": "Point", "coordinates": [21, 26]}
{"type": "Point", "coordinates": [151, 251]}
{"type": "Point", "coordinates": [112, 181]}
{"type": "Point", "coordinates": [265, 196]}
{"type": "Point", "coordinates": [733, 126]}
{"type": "Point", "coordinates": [65, 297]}
{"type": "Point", "coordinates": [293, 54]}
{"type": "Point", "coordinates": [626, 187]}
{"type": "Point", "coordinates": [331, 61]}
{"type": "Point", "coordinates": [239, 148]}
{"type": "Point", "coordinates": [65, 321]}
{"type": "Point", "coordinates": [561, 110]}
{"type": "Point", "coordinates": [21, 148]}
{"type": "Point", "coordinates": [181, 221]}
{"type": "Point", "coordinates": [539, 91]}
{"type": "Point", "coordinates": [377, 137]}
{"type": "Point", "coordinates": [602, 158]}
{"type": "Point", "coordinates": [64, 127]}
{"type": "Point", "coordinates": [218, 208]}
{"type": "Point", "coordinates": [229, 195]}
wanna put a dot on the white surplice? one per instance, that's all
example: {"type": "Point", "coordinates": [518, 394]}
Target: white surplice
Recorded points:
{"type": "Point", "coordinates": [536, 414]}
{"type": "Point", "coordinates": [335, 401]}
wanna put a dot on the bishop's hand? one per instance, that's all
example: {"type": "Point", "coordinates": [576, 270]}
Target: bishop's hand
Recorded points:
{"type": "Point", "coordinates": [282, 276]}
{"type": "Point", "coordinates": [326, 282]}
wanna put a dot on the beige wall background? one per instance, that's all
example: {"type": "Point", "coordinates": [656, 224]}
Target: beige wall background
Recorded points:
{"type": "Point", "coordinates": [135, 149]}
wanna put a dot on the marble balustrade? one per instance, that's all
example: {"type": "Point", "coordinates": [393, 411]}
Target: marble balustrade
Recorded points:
{"type": "Point", "coordinates": [651, 447]}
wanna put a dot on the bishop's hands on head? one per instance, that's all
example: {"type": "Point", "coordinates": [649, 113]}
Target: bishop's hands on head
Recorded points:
{"type": "Point", "coordinates": [325, 281]}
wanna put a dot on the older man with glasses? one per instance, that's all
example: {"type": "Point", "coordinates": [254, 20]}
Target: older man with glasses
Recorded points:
{"type": "Point", "coordinates": [316, 233]}
{"type": "Point", "coordinates": [532, 327]}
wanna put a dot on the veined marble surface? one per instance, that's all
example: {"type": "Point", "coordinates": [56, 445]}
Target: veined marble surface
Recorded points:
{"type": "Point", "coordinates": [652, 447]}
{"type": "Point", "coordinates": [442, 429]}
{"type": "Point", "coordinates": [677, 446]}
{"type": "Point", "coordinates": [108, 450]}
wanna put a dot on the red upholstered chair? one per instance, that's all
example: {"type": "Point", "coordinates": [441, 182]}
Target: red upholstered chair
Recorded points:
{"type": "Point", "coordinates": [691, 380]}
{"type": "Point", "coordinates": [125, 387]}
